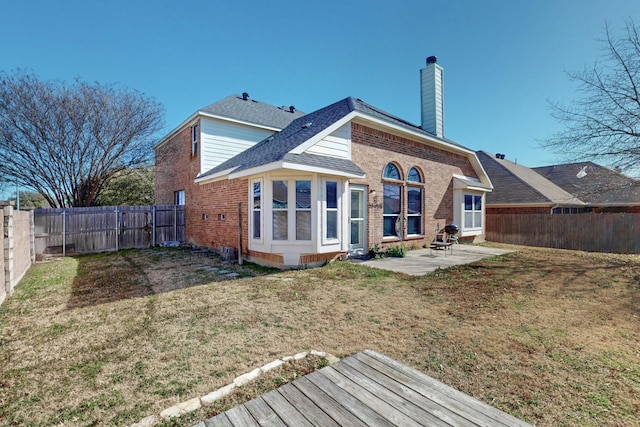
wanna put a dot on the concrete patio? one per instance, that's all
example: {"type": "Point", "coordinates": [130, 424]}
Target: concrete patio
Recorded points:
{"type": "Point", "coordinates": [422, 261]}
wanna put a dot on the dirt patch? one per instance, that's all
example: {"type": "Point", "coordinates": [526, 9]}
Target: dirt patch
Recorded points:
{"type": "Point", "coordinates": [549, 336]}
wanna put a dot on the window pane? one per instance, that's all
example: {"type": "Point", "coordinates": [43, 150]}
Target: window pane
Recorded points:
{"type": "Point", "coordinates": [414, 200]}
{"type": "Point", "coordinates": [355, 204]}
{"type": "Point", "coordinates": [477, 202]}
{"type": "Point", "coordinates": [256, 224]}
{"type": "Point", "coordinates": [256, 195]}
{"type": "Point", "coordinates": [477, 219]}
{"type": "Point", "coordinates": [303, 194]}
{"type": "Point", "coordinates": [414, 225]}
{"type": "Point", "coordinates": [468, 202]}
{"type": "Point", "coordinates": [389, 225]}
{"type": "Point", "coordinates": [392, 201]}
{"type": "Point", "coordinates": [414, 175]}
{"type": "Point", "coordinates": [391, 171]}
{"type": "Point", "coordinates": [355, 232]}
{"type": "Point", "coordinates": [332, 194]}
{"type": "Point", "coordinates": [303, 225]}
{"type": "Point", "coordinates": [280, 225]}
{"type": "Point", "coordinates": [468, 219]}
{"type": "Point", "coordinates": [280, 191]}
{"type": "Point", "coordinates": [332, 224]}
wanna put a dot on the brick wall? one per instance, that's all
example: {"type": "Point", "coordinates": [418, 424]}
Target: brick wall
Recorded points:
{"type": "Point", "coordinates": [372, 149]}
{"type": "Point", "coordinates": [176, 168]}
{"type": "Point", "coordinates": [17, 248]}
{"type": "Point", "coordinates": [212, 214]}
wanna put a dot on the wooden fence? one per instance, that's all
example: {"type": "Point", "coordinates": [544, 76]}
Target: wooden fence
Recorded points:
{"type": "Point", "coordinates": [603, 232]}
{"type": "Point", "coordinates": [111, 228]}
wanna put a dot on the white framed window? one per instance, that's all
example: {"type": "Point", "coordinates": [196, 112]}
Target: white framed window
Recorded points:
{"type": "Point", "coordinates": [256, 211]}
{"type": "Point", "coordinates": [303, 210]}
{"type": "Point", "coordinates": [195, 138]}
{"type": "Point", "coordinates": [392, 201]}
{"type": "Point", "coordinates": [280, 209]}
{"type": "Point", "coordinates": [472, 211]}
{"type": "Point", "coordinates": [414, 202]}
{"type": "Point", "coordinates": [179, 198]}
{"type": "Point", "coordinates": [330, 214]}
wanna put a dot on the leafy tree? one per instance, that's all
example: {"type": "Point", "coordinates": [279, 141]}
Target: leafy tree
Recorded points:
{"type": "Point", "coordinates": [32, 200]}
{"type": "Point", "coordinates": [129, 187]}
{"type": "Point", "coordinates": [604, 123]}
{"type": "Point", "coordinates": [67, 141]}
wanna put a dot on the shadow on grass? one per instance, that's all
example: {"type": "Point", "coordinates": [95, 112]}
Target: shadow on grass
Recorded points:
{"type": "Point", "coordinates": [114, 276]}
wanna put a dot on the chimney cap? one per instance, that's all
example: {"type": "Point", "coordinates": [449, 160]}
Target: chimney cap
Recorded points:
{"type": "Point", "coordinates": [245, 96]}
{"type": "Point", "coordinates": [432, 60]}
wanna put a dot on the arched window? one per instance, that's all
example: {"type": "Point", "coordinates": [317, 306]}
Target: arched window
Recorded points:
{"type": "Point", "coordinates": [391, 171]}
{"type": "Point", "coordinates": [414, 202]}
{"type": "Point", "coordinates": [392, 225]}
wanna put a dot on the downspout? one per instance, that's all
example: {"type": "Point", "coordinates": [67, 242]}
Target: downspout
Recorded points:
{"type": "Point", "coordinates": [240, 233]}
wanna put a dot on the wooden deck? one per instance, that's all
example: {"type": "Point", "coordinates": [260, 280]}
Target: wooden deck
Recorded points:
{"type": "Point", "coordinates": [367, 389]}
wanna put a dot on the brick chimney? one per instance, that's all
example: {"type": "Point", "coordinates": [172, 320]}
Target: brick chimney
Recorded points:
{"type": "Point", "coordinates": [432, 97]}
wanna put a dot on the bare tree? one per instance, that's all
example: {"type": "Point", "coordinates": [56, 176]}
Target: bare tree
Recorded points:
{"type": "Point", "coordinates": [67, 141]}
{"type": "Point", "coordinates": [603, 125]}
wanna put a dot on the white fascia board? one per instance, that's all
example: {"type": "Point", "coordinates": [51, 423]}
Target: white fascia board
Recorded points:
{"type": "Point", "coordinates": [197, 114]}
{"type": "Point", "coordinates": [291, 166]}
{"type": "Point", "coordinates": [175, 130]}
{"type": "Point", "coordinates": [214, 177]}
{"type": "Point", "coordinates": [437, 142]}
{"type": "Point", "coordinates": [324, 171]}
{"type": "Point", "coordinates": [228, 119]}
{"type": "Point", "coordinates": [431, 140]}
{"type": "Point", "coordinates": [257, 170]}
{"type": "Point", "coordinates": [470, 183]}
{"type": "Point", "coordinates": [321, 135]}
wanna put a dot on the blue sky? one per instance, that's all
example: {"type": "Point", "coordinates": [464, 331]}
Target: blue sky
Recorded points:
{"type": "Point", "coordinates": [502, 59]}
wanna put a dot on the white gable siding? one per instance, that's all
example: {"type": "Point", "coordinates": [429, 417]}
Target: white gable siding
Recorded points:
{"type": "Point", "coordinates": [222, 140]}
{"type": "Point", "coordinates": [338, 144]}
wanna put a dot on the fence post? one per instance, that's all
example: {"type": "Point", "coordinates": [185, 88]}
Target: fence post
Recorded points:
{"type": "Point", "coordinates": [64, 233]}
{"type": "Point", "coordinates": [175, 222]}
{"type": "Point", "coordinates": [7, 274]}
{"type": "Point", "coordinates": [117, 229]}
{"type": "Point", "coordinates": [153, 226]}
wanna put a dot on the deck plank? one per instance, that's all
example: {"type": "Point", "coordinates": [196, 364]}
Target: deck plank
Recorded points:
{"type": "Point", "coordinates": [367, 397]}
{"type": "Point", "coordinates": [404, 392]}
{"type": "Point", "coordinates": [367, 389]}
{"type": "Point", "coordinates": [285, 410]}
{"type": "Point", "coordinates": [314, 414]}
{"type": "Point", "coordinates": [402, 405]}
{"type": "Point", "coordinates": [240, 416]}
{"type": "Point", "coordinates": [327, 403]}
{"type": "Point", "coordinates": [465, 405]}
{"type": "Point", "coordinates": [263, 413]}
{"type": "Point", "coordinates": [364, 413]}
{"type": "Point", "coordinates": [219, 420]}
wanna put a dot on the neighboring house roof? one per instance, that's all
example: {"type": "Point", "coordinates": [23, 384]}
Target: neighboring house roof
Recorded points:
{"type": "Point", "coordinates": [281, 146]}
{"type": "Point", "coordinates": [249, 110]}
{"type": "Point", "coordinates": [515, 184]}
{"type": "Point", "coordinates": [240, 110]}
{"type": "Point", "coordinates": [594, 184]}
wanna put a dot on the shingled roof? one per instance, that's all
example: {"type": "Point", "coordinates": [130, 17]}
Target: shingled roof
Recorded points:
{"type": "Point", "coordinates": [519, 185]}
{"type": "Point", "coordinates": [278, 147]}
{"type": "Point", "coordinates": [594, 184]}
{"type": "Point", "coordinates": [249, 110]}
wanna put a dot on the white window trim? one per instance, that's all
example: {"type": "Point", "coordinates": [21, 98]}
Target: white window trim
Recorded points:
{"type": "Point", "coordinates": [260, 181]}
{"type": "Point", "coordinates": [418, 186]}
{"type": "Point", "coordinates": [323, 216]}
{"type": "Point", "coordinates": [195, 138]}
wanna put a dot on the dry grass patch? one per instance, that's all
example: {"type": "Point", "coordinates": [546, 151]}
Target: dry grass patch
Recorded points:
{"type": "Point", "coordinates": [549, 336]}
